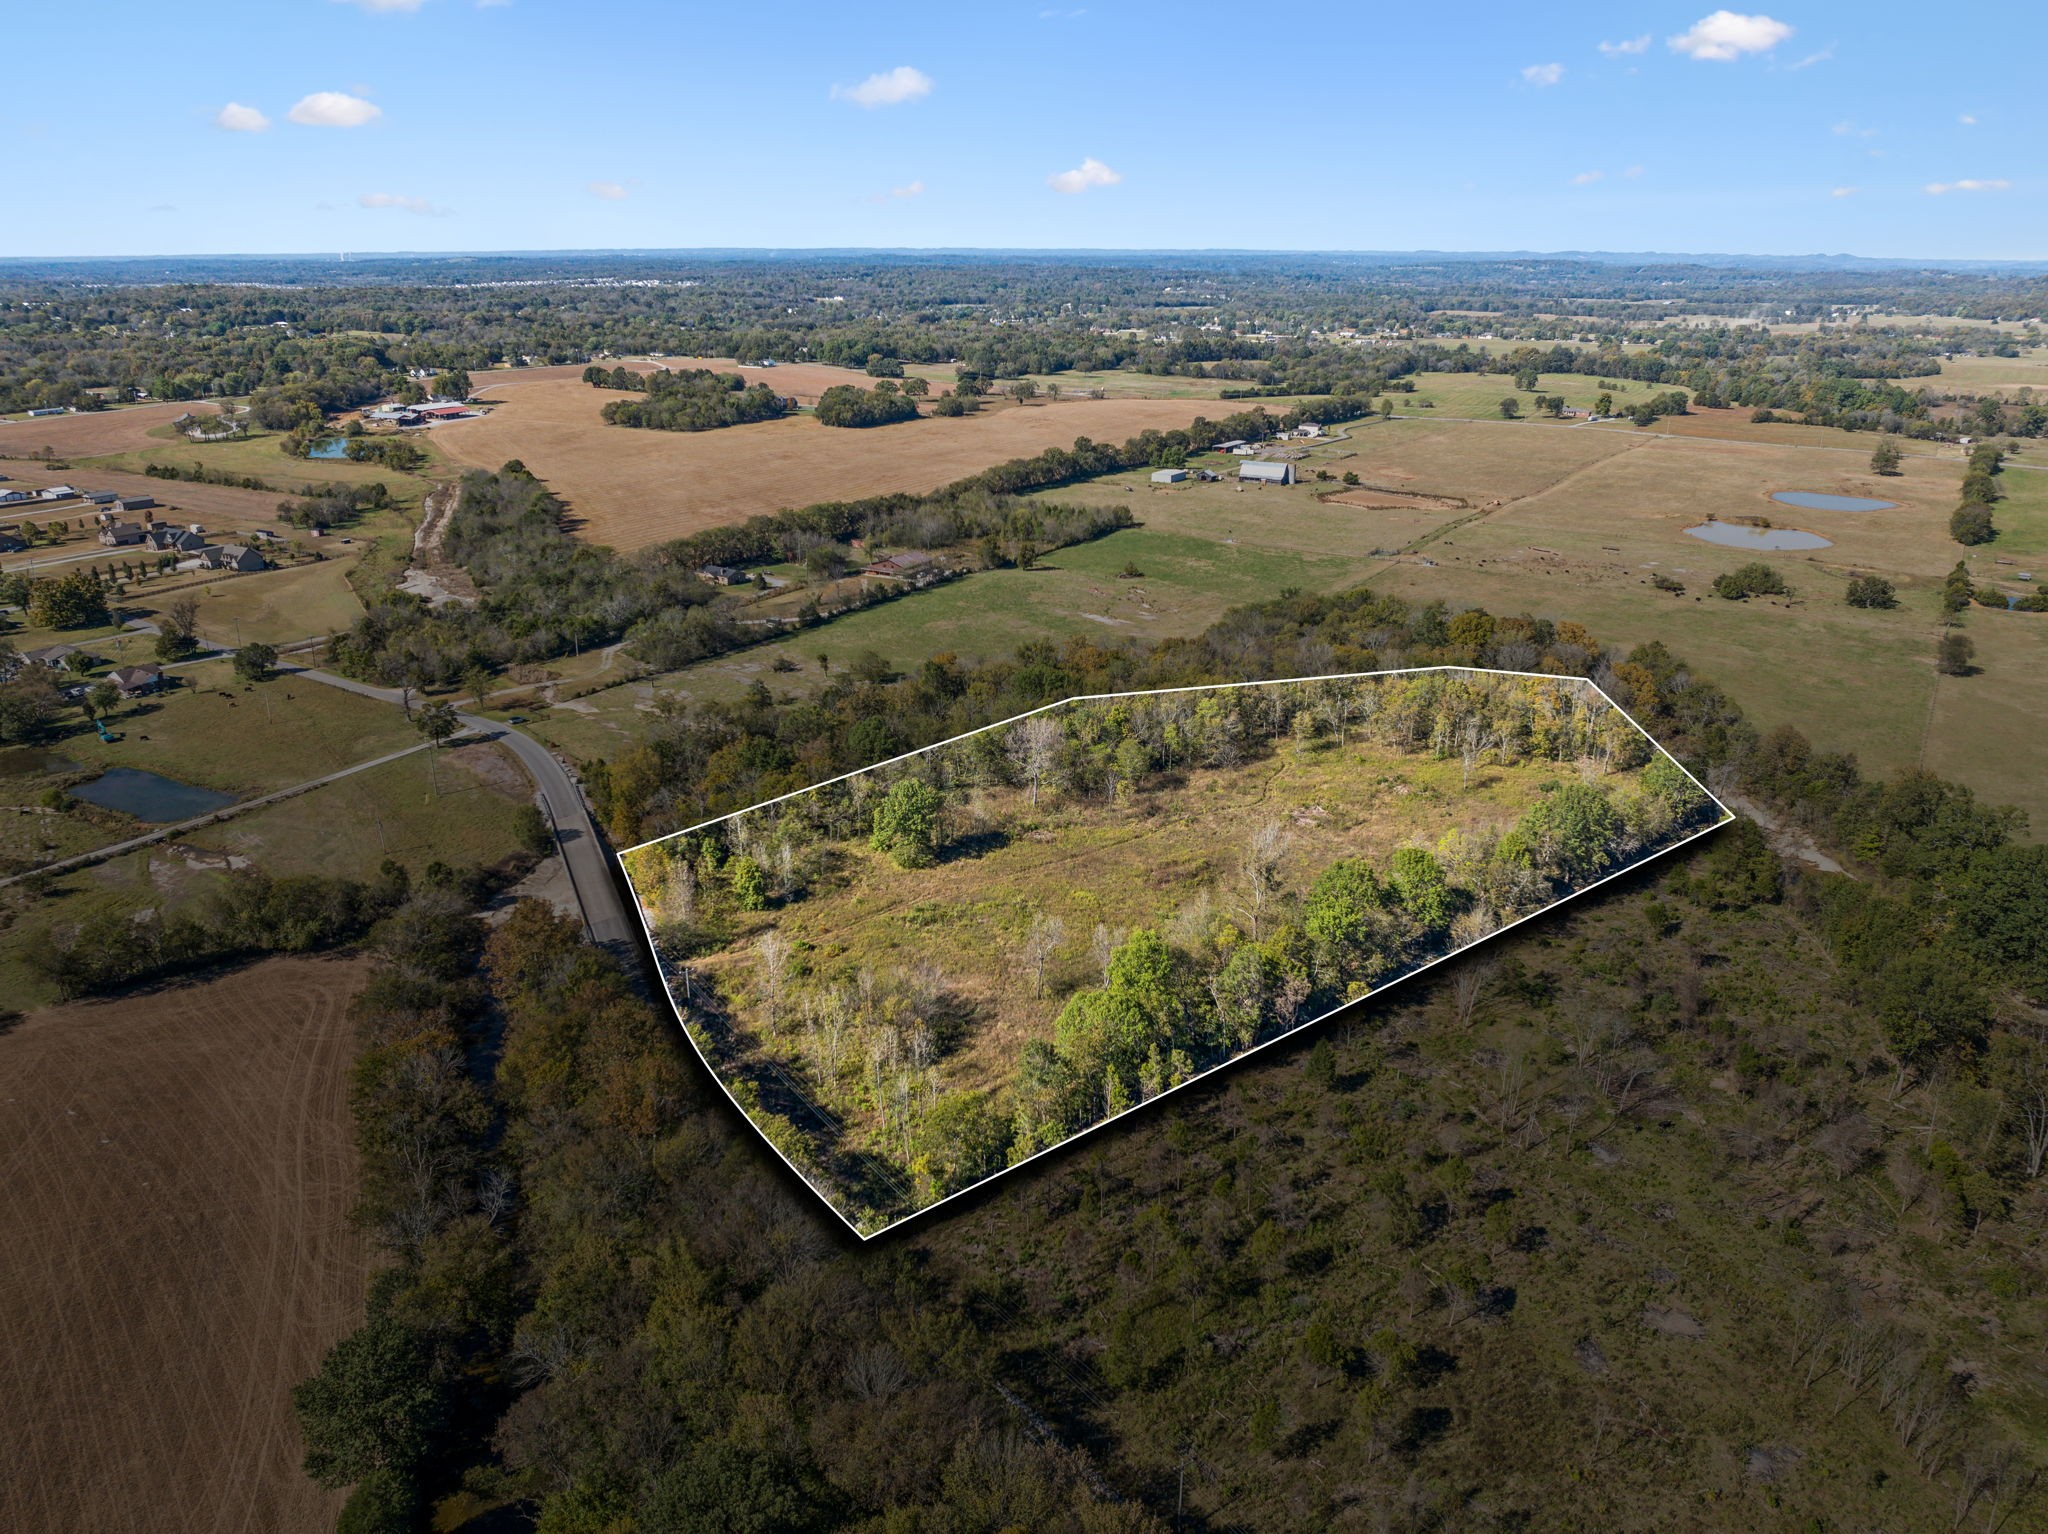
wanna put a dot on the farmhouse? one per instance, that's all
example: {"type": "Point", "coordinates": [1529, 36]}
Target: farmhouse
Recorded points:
{"type": "Point", "coordinates": [52, 655]}
{"type": "Point", "coordinates": [134, 681]}
{"type": "Point", "coordinates": [897, 566]}
{"type": "Point", "coordinates": [1308, 430]}
{"type": "Point", "coordinates": [1261, 472]}
{"type": "Point", "coordinates": [120, 535]}
{"type": "Point", "coordinates": [1169, 476]}
{"type": "Point", "coordinates": [722, 575]}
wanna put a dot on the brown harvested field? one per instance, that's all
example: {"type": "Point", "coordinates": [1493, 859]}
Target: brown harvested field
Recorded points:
{"type": "Point", "coordinates": [100, 431]}
{"type": "Point", "coordinates": [175, 1175]}
{"type": "Point", "coordinates": [631, 487]}
{"type": "Point", "coordinates": [229, 507]}
{"type": "Point", "coordinates": [803, 380]}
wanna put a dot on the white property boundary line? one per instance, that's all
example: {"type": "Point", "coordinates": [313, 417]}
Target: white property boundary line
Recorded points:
{"type": "Point", "coordinates": [639, 910]}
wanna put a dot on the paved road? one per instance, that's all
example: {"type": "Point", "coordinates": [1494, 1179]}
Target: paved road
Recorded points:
{"type": "Point", "coordinates": [605, 917]}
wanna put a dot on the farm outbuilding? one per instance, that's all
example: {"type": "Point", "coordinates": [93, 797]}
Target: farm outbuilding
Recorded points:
{"type": "Point", "coordinates": [1169, 476]}
{"type": "Point", "coordinates": [1262, 472]}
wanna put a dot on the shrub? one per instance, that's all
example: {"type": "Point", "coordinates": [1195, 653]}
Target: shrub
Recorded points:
{"type": "Point", "coordinates": [1750, 580]}
{"type": "Point", "coordinates": [1872, 591]}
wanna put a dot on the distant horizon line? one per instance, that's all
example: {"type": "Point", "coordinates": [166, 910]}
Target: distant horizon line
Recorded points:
{"type": "Point", "coordinates": [1821, 260]}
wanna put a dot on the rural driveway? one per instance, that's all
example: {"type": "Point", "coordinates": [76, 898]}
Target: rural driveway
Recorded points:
{"type": "Point", "coordinates": [605, 917]}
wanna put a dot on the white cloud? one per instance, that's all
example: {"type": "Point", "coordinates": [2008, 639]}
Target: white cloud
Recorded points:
{"type": "Point", "coordinates": [1633, 171]}
{"type": "Point", "coordinates": [610, 191]}
{"type": "Point", "coordinates": [1588, 177]}
{"type": "Point", "coordinates": [1968, 120]}
{"type": "Point", "coordinates": [1727, 35]}
{"type": "Point", "coordinates": [334, 109]}
{"type": "Point", "coordinates": [1968, 184]}
{"type": "Point", "coordinates": [1090, 172]}
{"type": "Point", "coordinates": [1819, 56]}
{"type": "Point", "coordinates": [1627, 46]}
{"type": "Point", "coordinates": [1843, 191]}
{"type": "Point", "coordinates": [403, 204]}
{"type": "Point", "coordinates": [889, 89]}
{"type": "Point", "coordinates": [237, 118]}
{"type": "Point", "coordinates": [1543, 74]}
{"type": "Point", "coordinates": [912, 189]}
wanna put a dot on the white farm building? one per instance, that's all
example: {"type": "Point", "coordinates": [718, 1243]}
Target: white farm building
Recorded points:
{"type": "Point", "coordinates": [1169, 476]}
{"type": "Point", "coordinates": [1266, 473]}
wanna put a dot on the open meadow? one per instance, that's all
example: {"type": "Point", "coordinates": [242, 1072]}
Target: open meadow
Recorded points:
{"type": "Point", "coordinates": [176, 1171]}
{"type": "Point", "coordinates": [632, 487]}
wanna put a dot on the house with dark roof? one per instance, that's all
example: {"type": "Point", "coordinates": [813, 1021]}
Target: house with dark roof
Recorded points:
{"type": "Point", "coordinates": [899, 566]}
{"type": "Point", "coordinates": [134, 681]}
{"type": "Point", "coordinates": [120, 535]}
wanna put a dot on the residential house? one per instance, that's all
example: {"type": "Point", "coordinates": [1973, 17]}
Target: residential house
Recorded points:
{"type": "Point", "coordinates": [134, 681]}
{"type": "Point", "coordinates": [721, 575]}
{"type": "Point", "coordinates": [1308, 430]}
{"type": "Point", "coordinates": [121, 535]}
{"type": "Point", "coordinates": [911, 562]}
{"type": "Point", "coordinates": [54, 655]}
{"type": "Point", "coordinates": [232, 556]}
{"type": "Point", "coordinates": [167, 538]}
{"type": "Point", "coordinates": [1260, 471]}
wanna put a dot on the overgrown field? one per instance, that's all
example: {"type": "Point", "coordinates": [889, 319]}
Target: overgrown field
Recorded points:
{"type": "Point", "coordinates": [915, 976]}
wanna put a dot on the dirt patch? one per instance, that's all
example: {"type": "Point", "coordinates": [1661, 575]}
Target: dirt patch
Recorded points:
{"type": "Point", "coordinates": [175, 1176]}
{"type": "Point", "coordinates": [630, 488]}
{"type": "Point", "coordinates": [1397, 500]}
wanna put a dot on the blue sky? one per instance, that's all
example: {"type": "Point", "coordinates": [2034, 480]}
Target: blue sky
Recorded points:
{"type": "Point", "coordinates": [363, 125]}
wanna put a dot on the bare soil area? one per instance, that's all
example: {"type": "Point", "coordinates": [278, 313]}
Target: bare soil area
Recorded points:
{"type": "Point", "coordinates": [175, 1175]}
{"type": "Point", "coordinates": [96, 432]}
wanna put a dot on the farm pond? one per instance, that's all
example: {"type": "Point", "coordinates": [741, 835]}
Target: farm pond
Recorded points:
{"type": "Point", "coordinates": [1814, 500]}
{"type": "Point", "coordinates": [150, 796]}
{"type": "Point", "coordinates": [1737, 535]}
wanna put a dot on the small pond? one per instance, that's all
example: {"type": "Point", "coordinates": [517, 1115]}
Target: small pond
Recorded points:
{"type": "Point", "coordinates": [28, 762]}
{"type": "Point", "coordinates": [149, 796]}
{"type": "Point", "coordinates": [1813, 500]}
{"type": "Point", "coordinates": [1735, 535]}
{"type": "Point", "coordinates": [333, 447]}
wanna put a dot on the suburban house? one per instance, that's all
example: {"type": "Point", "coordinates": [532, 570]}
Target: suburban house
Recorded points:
{"type": "Point", "coordinates": [167, 538]}
{"type": "Point", "coordinates": [53, 655]}
{"type": "Point", "coordinates": [1308, 430]}
{"type": "Point", "coordinates": [1262, 472]}
{"type": "Point", "coordinates": [134, 681]}
{"type": "Point", "coordinates": [911, 562]}
{"type": "Point", "coordinates": [134, 502]}
{"type": "Point", "coordinates": [119, 535]}
{"type": "Point", "coordinates": [721, 575]}
{"type": "Point", "coordinates": [232, 556]}
{"type": "Point", "coordinates": [1169, 476]}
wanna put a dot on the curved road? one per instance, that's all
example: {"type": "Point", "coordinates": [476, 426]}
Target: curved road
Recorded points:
{"type": "Point", "coordinates": [605, 917]}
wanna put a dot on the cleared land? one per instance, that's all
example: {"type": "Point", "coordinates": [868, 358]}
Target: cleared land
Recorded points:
{"type": "Point", "coordinates": [95, 432]}
{"type": "Point", "coordinates": [175, 1176]}
{"type": "Point", "coordinates": [629, 488]}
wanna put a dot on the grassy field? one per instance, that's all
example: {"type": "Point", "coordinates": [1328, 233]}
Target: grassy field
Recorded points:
{"type": "Point", "coordinates": [458, 809]}
{"type": "Point", "coordinates": [1480, 394]}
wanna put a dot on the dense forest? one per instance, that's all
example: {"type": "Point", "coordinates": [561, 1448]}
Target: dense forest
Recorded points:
{"type": "Point", "coordinates": [1684, 1207]}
